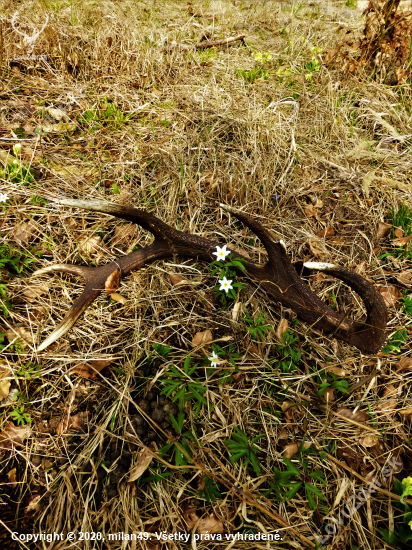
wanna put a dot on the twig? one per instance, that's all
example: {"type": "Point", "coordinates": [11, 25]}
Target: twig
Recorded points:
{"type": "Point", "coordinates": [208, 43]}
{"type": "Point", "coordinates": [212, 43]}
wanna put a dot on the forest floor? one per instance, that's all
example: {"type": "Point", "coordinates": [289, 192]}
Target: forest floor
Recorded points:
{"type": "Point", "coordinates": [123, 425]}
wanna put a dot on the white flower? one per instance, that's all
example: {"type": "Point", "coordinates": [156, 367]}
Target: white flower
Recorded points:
{"type": "Point", "coordinates": [225, 284]}
{"type": "Point", "coordinates": [221, 253]}
{"type": "Point", "coordinates": [214, 359]}
{"type": "Point", "coordinates": [4, 198]}
{"type": "Point", "coordinates": [16, 148]}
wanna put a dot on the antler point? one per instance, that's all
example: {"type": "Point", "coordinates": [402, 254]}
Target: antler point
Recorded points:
{"type": "Point", "coordinates": [321, 266]}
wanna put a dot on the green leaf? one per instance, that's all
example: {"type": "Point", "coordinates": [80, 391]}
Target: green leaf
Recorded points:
{"type": "Point", "coordinates": [198, 396]}
{"type": "Point", "coordinates": [341, 385]}
{"type": "Point", "coordinates": [317, 474]}
{"type": "Point", "coordinates": [405, 534]}
{"type": "Point", "coordinates": [312, 489]}
{"type": "Point", "coordinates": [162, 350]}
{"type": "Point", "coordinates": [285, 482]}
{"type": "Point", "coordinates": [238, 455]}
{"type": "Point", "coordinates": [292, 492]}
{"type": "Point", "coordinates": [291, 467]}
{"type": "Point", "coordinates": [235, 446]}
{"type": "Point", "coordinates": [243, 440]}
{"type": "Point", "coordinates": [255, 463]}
{"type": "Point", "coordinates": [311, 500]}
{"type": "Point", "coordinates": [235, 263]}
{"type": "Point", "coordinates": [180, 396]}
{"type": "Point", "coordinates": [177, 424]}
{"type": "Point", "coordinates": [187, 363]}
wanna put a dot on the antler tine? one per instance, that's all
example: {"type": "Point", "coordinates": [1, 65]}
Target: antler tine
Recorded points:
{"type": "Point", "coordinates": [272, 247]}
{"type": "Point", "coordinates": [370, 334]}
{"type": "Point", "coordinates": [80, 270]}
{"type": "Point", "coordinates": [137, 215]}
{"type": "Point", "coordinates": [81, 304]}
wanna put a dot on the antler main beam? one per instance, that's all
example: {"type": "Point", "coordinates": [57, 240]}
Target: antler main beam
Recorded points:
{"type": "Point", "coordinates": [278, 278]}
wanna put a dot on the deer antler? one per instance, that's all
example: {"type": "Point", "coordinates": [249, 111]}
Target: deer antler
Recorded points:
{"type": "Point", "coordinates": [278, 278]}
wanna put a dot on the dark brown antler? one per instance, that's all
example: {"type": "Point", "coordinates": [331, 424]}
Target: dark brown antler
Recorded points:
{"type": "Point", "coordinates": [278, 278]}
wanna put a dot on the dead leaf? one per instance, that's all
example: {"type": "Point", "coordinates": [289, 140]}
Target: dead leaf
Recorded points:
{"type": "Point", "coordinates": [12, 477]}
{"type": "Point", "coordinates": [405, 411]}
{"type": "Point", "coordinates": [24, 232]}
{"type": "Point", "coordinates": [13, 435]}
{"type": "Point", "coordinates": [177, 280]}
{"type": "Point", "coordinates": [20, 333]}
{"type": "Point", "coordinates": [405, 278]}
{"type": "Point", "coordinates": [309, 210]}
{"type": "Point", "coordinates": [361, 268]}
{"type": "Point", "coordinates": [383, 229]}
{"type": "Point", "coordinates": [123, 234]}
{"type": "Point", "coordinates": [74, 422]}
{"type": "Point", "coordinates": [283, 437]}
{"type": "Point", "coordinates": [369, 440]}
{"type": "Point", "coordinates": [118, 298]}
{"type": "Point", "coordinates": [398, 232]}
{"type": "Point", "coordinates": [210, 524]}
{"type": "Point", "coordinates": [390, 390]}
{"type": "Point", "coordinates": [345, 451]}
{"type": "Point", "coordinates": [282, 327]}
{"type": "Point", "coordinates": [327, 232]}
{"type": "Point", "coordinates": [34, 506]}
{"type": "Point", "coordinates": [91, 370]}
{"type": "Point", "coordinates": [287, 407]}
{"type": "Point", "coordinates": [397, 464]}
{"type": "Point", "coordinates": [337, 370]}
{"type": "Point", "coordinates": [112, 282]}
{"type": "Point", "coordinates": [318, 249]}
{"type": "Point", "coordinates": [91, 245]}
{"type": "Point", "coordinates": [291, 449]}
{"type": "Point", "coordinates": [402, 241]}
{"type": "Point", "coordinates": [6, 375]}
{"type": "Point", "coordinates": [391, 295]}
{"type": "Point", "coordinates": [191, 518]}
{"type": "Point", "coordinates": [293, 414]}
{"type": "Point", "coordinates": [34, 292]}
{"type": "Point", "coordinates": [389, 404]}
{"type": "Point", "coordinates": [319, 277]}
{"type": "Point", "coordinates": [350, 414]}
{"type": "Point", "coordinates": [141, 466]}
{"type": "Point", "coordinates": [338, 242]}
{"type": "Point", "coordinates": [201, 338]}
{"type": "Point", "coordinates": [404, 364]}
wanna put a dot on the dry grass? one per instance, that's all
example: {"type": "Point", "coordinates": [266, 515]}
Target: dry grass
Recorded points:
{"type": "Point", "coordinates": [187, 132]}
